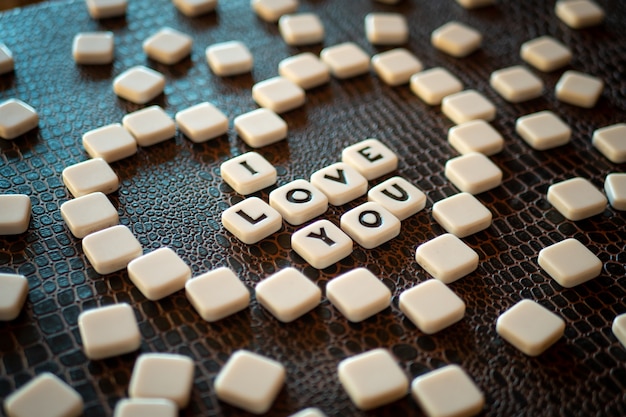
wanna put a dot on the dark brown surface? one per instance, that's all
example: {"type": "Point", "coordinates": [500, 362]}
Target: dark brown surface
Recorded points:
{"type": "Point", "coordinates": [172, 195]}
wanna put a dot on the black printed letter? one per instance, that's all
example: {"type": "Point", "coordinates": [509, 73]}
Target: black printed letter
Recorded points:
{"type": "Point", "coordinates": [248, 167]}
{"type": "Point", "coordinates": [292, 198]}
{"type": "Point", "coordinates": [250, 219]}
{"type": "Point", "coordinates": [378, 221]}
{"type": "Point", "coordinates": [322, 236]}
{"type": "Point", "coordinates": [369, 156]}
{"type": "Point", "coordinates": [403, 194]}
{"type": "Point", "coordinates": [341, 177]}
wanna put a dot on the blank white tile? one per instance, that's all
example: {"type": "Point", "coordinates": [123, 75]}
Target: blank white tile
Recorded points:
{"type": "Point", "coordinates": [13, 293]}
{"type": "Point", "coordinates": [139, 84]}
{"type": "Point", "coordinates": [569, 263]}
{"type": "Point", "coordinates": [272, 10]}
{"type": "Point", "coordinates": [252, 220]}
{"type": "Point", "coordinates": [395, 67]}
{"type": "Point", "coordinates": [371, 158]}
{"type": "Point", "coordinates": [543, 130]}
{"type": "Point", "coordinates": [111, 143]}
{"type": "Point", "coordinates": [340, 182]}
{"type": "Point", "coordinates": [432, 306]}
{"type": "Point", "coordinates": [109, 331]}
{"type": "Point", "coordinates": [611, 141]}
{"type": "Point", "coordinates": [475, 136]}
{"type": "Point", "coordinates": [530, 327]}
{"type": "Point", "coordinates": [456, 39]}
{"type": "Point", "coordinates": [579, 89]}
{"type": "Point", "coordinates": [462, 214]}
{"type": "Point", "coordinates": [466, 106]}
{"type": "Point", "coordinates": [346, 60]}
{"type": "Point", "coordinates": [248, 173]}
{"type": "Point", "coordinates": [202, 122]}
{"type": "Point", "coordinates": [89, 213]}
{"type": "Point", "coordinates": [447, 258]}
{"type": "Point", "coordinates": [545, 53]}
{"type": "Point", "coordinates": [159, 273]}
{"type": "Point", "coordinates": [162, 375]}
{"type": "Point", "coordinates": [358, 294]}
{"type": "Point", "coordinates": [111, 249]}
{"type": "Point", "coordinates": [15, 212]}
{"type": "Point", "coordinates": [44, 395]}
{"type": "Point", "coordinates": [576, 198]}
{"type": "Point", "coordinates": [278, 94]}
{"type": "Point", "coordinates": [168, 46]}
{"type": "Point", "coordinates": [309, 412]}
{"type": "Point", "coordinates": [386, 28]}
{"type": "Point", "coordinates": [288, 294]}
{"type": "Point", "coordinates": [229, 58]}
{"type": "Point", "coordinates": [434, 84]}
{"type": "Point", "coordinates": [615, 189]}
{"type": "Point", "coordinates": [321, 244]}
{"type": "Point", "coordinates": [433, 392]}
{"type": "Point", "coordinates": [372, 379]}
{"type": "Point", "coordinates": [16, 118]}
{"type": "Point", "coordinates": [370, 225]}
{"type": "Point", "coordinates": [7, 62]}
{"type": "Point", "coordinates": [474, 4]}
{"type": "Point", "coordinates": [473, 173]}
{"type": "Point", "coordinates": [260, 127]}
{"type": "Point", "coordinates": [305, 70]}
{"type": "Point", "coordinates": [150, 126]}
{"type": "Point", "coordinates": [194, 8]}
{"type": "Point", "coordinates": [298, 201]}
{"type": "Point", "coordinates": [101, 9]}
{"type": "Point", "coordinates": [217, 294]}
{"type": "Point", "coordinates": [145, 407]}
{"type": "Point", "coordinates": [579, 14]}
{"type": "Point", "coordinates": [619, 328]}
{"type": "Point", "coordinates": [90, 176]}
{"type": "Point", "coordinates": [516, 84]}
{"type": "Point", "coordinates": [93, 48]}
{"type": "Point", "coordinates": [399, 196]}
{"type": "Point", "coordinates": [301, 29]}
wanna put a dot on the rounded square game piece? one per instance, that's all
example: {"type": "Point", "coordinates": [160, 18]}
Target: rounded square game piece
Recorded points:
{"type": "Point", "coordinates": [305, 70]}
{"type": "Point", "coordinates": [248, 173]}
{"type": "Point", "coordinates": [475, 136]}
{"type": "Point", "coordinates": [579, 14]}
{"type": "Point", "coordinates": [301, 29]}
{"type": "Point", "coordinates": [288, 294]}
{"type": "Point", "coordinates": [619, 328]}
{"type": "Point", "coordinates": [13, 295]}
{"type": "Point", "coordinates": [139, 84]}
{"type": "Point", "coordinates": [309, 412]}
{"type": "Point", "coordinates": [250, 381]}
{"type": "Point", "coordinates": [358, 294]}
{"type": "Point", "coordinates": [386, 28]}
{"type": "Point", "coordinates": [611, 142]}
{"type": "Point", "coordinates": [321, 244]}
{"type": "Point", "coordinates": [6, 59]}
{"type": "Point", "coordinates": [434, 84]}
{"type": "Point", "coordinates": [340, 182]}
{"type": "Point", "coordinates": [150, 126]}
{"type": "Point", "coordinates": [475, 4]}
{"type": "Point", "coordinates": [202, 122]}
{"type": "Point", "coordinates": [530, 327]}
{"type": "Point", "coordinates": [569, 263]}
{"type": "Point", "coordinates": [545, 53]}
{"type": "Point", "coordinates": [371, 158]}
{"type": "Point", "coordinates": [272, 10]}
{"type": "Point", "coordinates": [44, 395]}
{"type": "Point", "coordinates": [447, 258]}
{"type": "Point", "coordinates": [370, 225]}
{"type": "Point", "coordinates": [109, 331]}
{"type": "Point", "coordinates": [159, 273]}
{"type": "Point", "coordinates": [111, 249]}
{"type": "Point", "coordinates": [229, 58]}
{"type": "Point", "coordinates": [466, 106]}
{"type": "Point", "coordinates": [194, 8]}
{"type": "Point", "coordinates": [473, 173]}
{"type": "Point", "coordinates": [432, 306]}
{"type": "Point", "coordinates": [90, 176]}
{"type": "Point", "coordinates": [89, 213]}
{"type": "Point", "coordinates": [260, 127]}
{"type": "Point", "coordinates": [251, 220]}
{"type": "Point", "coordinates": [516, 84]}
{"type": "Point", "coordinates": [579, 89]}
{"type": "Point", "coordinates": [462, 214]}
{"type": "Point", "coordinates": [168, 46]}
{"type": "Point", "coordinates": [93, 48]}
{"type": "Point", "coordinates": [615, 189]}
{"type": "Point", "coordinates": [345, 60]}
{"type": "Point", "coordinates": [433, 392]}
{"type": "Point", "coordinates": [372, 379]}
{"type": "Point", "coordinates": [576, 198]}
{"type": "Point", "coordinates": [16, 118]}
{"type": "Point", "coordinates": [298, 201]}
{"type": "Point", "coordinates": [543, 130]}
{"type": "Point", "coordinates": [399, 196]}
{"type": "Point", "coordinates": [217, 294]}
{"type": "Point", "coordinates": [111, 143]}
{"type": "Point", "coordinates": [101, 9]}
{"type": "Point", "coordinates": [14, 214]}
{"type": "Point", "coordinates": [395, 67]}
{"type": "Point", "coordinates": [278, 94]}
{"type": "Point", "coordinates": [456, 39]}
{"type": "Point", "coordinates": [152, 407]}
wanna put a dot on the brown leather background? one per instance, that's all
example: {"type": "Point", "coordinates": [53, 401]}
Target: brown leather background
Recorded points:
{"type": "Point", "coordinates": [172, 195]}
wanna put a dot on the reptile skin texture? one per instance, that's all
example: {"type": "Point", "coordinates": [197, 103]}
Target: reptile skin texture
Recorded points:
{"type": "Point", "coordinates": [171, 194]}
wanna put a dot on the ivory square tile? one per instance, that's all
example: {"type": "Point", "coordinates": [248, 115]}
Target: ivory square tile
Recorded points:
{"type": "Point", "coordinates": [475, 136]}
{"type": "Point", "coordinates": [168, 46]}
{"type": "Point", "coordinates": [473, 173]}
{"type": "Point", "coordinates": [474, 4]}
{"type": "Point", "coordinates": [530, 327]}
{"type": "Point", "coordinates": [44, 395]}
{"type": "Point", "coordinates": [516, 84]}
{"type": "Point", "coordinates": [456, 39]}
{"type": "Point", "coordinates": [321, 244]}
{"type": "Point", "coordinates": [545, 53]}
{"type": "Point", "coordinates": [615, 189]}
{"type": "Point", "coordinates": [250, 381]}
{"type": "Point", "coordinates": [159, 273]}
{"type": "Point", "coordinates": [370, 224]}
{"type": "Point", "coordinates": [386, 28]}
{"type": "Point", "coordinates": [16, 118]}
{"type": "Point", "coordinates": [93, 48]}
{"type": "Point", "coordinates": [101, 9]}
{"type": "Point", "coordinates": [248, 173]}
{"type": "Point", "coordinates": [194, 8]}
{"type": "Point", "coordinates": [466, 106]}
{"type": "Point", "coordinates": [139, 84]}
{"type": "Point", "coordinates": [340, 182]}
{"type": "Point", "coordinates": [399, 196]}
{"type": "Point", "coordinates": [305, 70]}
{"type": "Point", "coordinates": [89, 213]}
{"type": "Point", "coordinates": [579, 14]}
{"type": "Point", "coordinates": [358, 294]}
{"type": "Point", "coordinates": [346, 60]}
{"type": "Point", "coordinates": [619, 328]}
{"type": "Point", "coordinates": [372, 379]}
{"type": "Point", "coordinates": [432, 393]}
{"type": "Point", "coordinates": [298, 201]}
{"type": "Point", "coordinates": [272, 10]}
{"type": "Point", "coordinates": [579, 89]}
{"type": "Point", "coordinates": [162, 375]}
{"type": "Point", "coordinates": [109, 331]}
{"type": "Point", "coordinates": [447, 258]}
{"type": "Point", "coordinates": [395, 67]}
{"type": "Point", "coordinates": [217, 294]}
{"type": "Point", "coordinates": [150, 126]}
{"type": "Point", "coordinates": [202, 122]}
{"type": "Point", "coordinates": [145, 407]}
{"type": "Point", "coordinates": [371, 158]}
{"type": "Point", "coordinates": [576, 198]}
{"type": "Point", "coordinates": [260, 127]}
{"type": "Point", "coordinates": [251, 220]}
{"type": "Point", "coordinates": [569, 263]}
{"type": "Point", "coordinates": [309, 412]}
{"type": "Point", "coordinates": [462, 214]}
{"type": "Point", "coordinates": [432, 306]}
{"type": "Point", "coordinates": [14, 214]}
{"type": "Point", "coordinates": [278, 94]}
{"type": "Point", "coordinates": [434, 84]}
{"type": "Point", "coordinates": [6, 59]}
{"type": "Point", "coordinates": [543, 130]}
{"type": "Point", "coordinates": [111, 249]}
{"type": "Point", "coordinates": [229, 58]}
{"type": "Point", "coordinates": [611, 142]}
{"type": "Point", "coordinates": [90, 176]}
{"type": "Point", "coordinates": [301, 29]}
{"type": "Point", "coordinates": [13, 293]}
{"type": "Point", "coordinates": [288, 294]}
{"type": "Point", "coordinates": [111, 143]}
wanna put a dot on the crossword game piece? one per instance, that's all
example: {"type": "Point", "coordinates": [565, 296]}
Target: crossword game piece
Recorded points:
{"type": "Point", "coordinates": [386, 28]}
{"type": "Point", "coordinates": [278, 94]}
{"type": "Point", "coordinates": [371, 158]}
{"type": "Point", "coordinates": [145, 407]}
{"type": "Point", "coordinates": [545, 53]}
{"type": "Point", "coordinates": [93, 48]}
{"type": "Point", "coordinates": [6, 59]}
{"type": "Point", "coordinates": [370, 224]}
{"type": "Point", "coordinates": [399, 196]}
{"type": "Point", "coordinates": [248, 173]}
{"type": "Point", "coordinates": [111, 249]}
{"type": "Point", "coordinates": [90, 176]}
{"type": "Point", "coordinates": [301, 29]}
{"type": "Point", "coordinates": [101, 9]}
{"type": "Point", "coordinates": [298, 201]}
{"type": "Point", "coordinates": [395, 67]}
{"type": "Point", "coordinates": [111, 143]}
{"type": "Point", "coordinates": [309, 412]}
{"type": "Point", "coordinates": [576, 198]}
{"type": "Point", "coordinates": [109, 331]}
{"type": "Point", "coordinates": [13, 293]}
{"type": "Point", "coordinates": [305, 69]}
{"type": "Point", "coordinates": [543, 130]}
{"type": "Point", "coordinates": [150, 126]}
{"type": "Point", "coordinates": [217, 294]}
{"type": "Point", "coordinates": [473, 173]}
{"type": "Point", "coordinates": [358, 294]}
{"type": "Point", "coordinates": [579, 89]}
{"type": "Point", "coordinates": [89, 213]}
{"type": "Point", "coordinates": [615, 189]}
{"type": "Point", "coordinates": [345, 60]}
{"type": "Point", "coordinates": [288, 294]}
{"type": "Point", "coordinates": [193, 8]}
{"type": "Point", "coordinates": [272, 10]}
{"type": "Point", "coordinates": [340, 182]}
{"type": "Point", "coordinates": [44, 395]}
{"type": "Point", "coordinates": [202, 122]}
{"type": "Point", "coordinates": [168, 46]}
{"type": "Point", "coordinates": [447, 258]}
{"type": "Point", "coordinates": [516, 84]}
{"type": "Point", "coordinates": [579, 14]}
{"type": "Point", "coordinates": [474, 4]}
{"type": "Point", "coordinates": [139, 84]}
{"type": "Point", "coordinates": [229, 58]}
{"type": "Point", "coordinates": [260, 127]}
{"type": "Point", "coordinates": [466, 106]}
{"type": "Point", "coordinates": [14, 214]}
{"type": "Point", "coordinates": [569, 263]}
{"type": "Point", "coordinates": [462, 214]}
{"type": "Point", "coordinates": [611, 142]}
{"type": "Point", "coordinates": [16, 118]}
{"type": "Point", "coordinates": [159, 273]}
{"type": "Point", "coordinates": [475, 136]}
{"type": "Point", "coordinates": [619, 328]}
{"type": "Point", "coordinates": [321, 244]}
{"type": "Point", "coordinates": [456, 39]}
{"type": "Point", "coordinates": [252, 220]}
{"type": "Point", "coordinates": [433, 84]}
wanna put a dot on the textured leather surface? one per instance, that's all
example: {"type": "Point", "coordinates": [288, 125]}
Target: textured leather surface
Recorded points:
{"type": "Point", "coordinates": [172, 195]}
